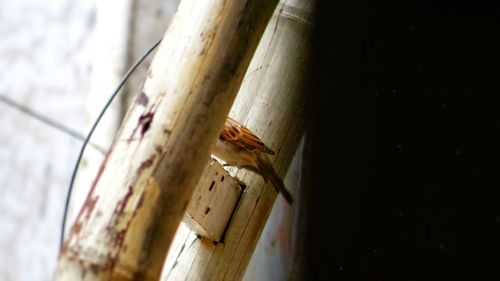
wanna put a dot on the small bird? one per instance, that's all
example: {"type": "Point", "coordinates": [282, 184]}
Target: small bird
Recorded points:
{"type": "Point", "coordinates": [239, 147]}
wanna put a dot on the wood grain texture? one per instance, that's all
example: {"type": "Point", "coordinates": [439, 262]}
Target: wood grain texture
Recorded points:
{"type": "Point", "coordinates": [136, 202]}
{"type": "Point", "coordinates": [272, 103]}
{"type": "Point", "coordinates": [213, 202]}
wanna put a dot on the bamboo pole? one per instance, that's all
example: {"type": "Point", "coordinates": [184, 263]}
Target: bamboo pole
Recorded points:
{"type": "Point", "coordinates": [271, 102]}
{"type": "Point", "coordinates": [150, 19]}
{"type": "Point", "coordinates": [135, 204]}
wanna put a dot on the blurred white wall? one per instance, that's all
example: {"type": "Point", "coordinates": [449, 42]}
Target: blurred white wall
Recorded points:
{"type": "Point", "coordinates": [45, 51]}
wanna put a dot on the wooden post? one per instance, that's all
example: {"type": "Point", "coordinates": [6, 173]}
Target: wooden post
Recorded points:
{"type": "Point", "coordinates": [135, 204]}
{"type": "Point", "coordinates": [273, 104]}
{"type": "Point", "coordinates": [150, 19]}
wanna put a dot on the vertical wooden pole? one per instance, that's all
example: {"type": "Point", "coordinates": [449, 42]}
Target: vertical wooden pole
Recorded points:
{"type": "Point", "coordinates": [271, 102]}
{"type": "Point", "coordinates": [135, 204]}
{"type": "Point", "coordinates": [150, 19]}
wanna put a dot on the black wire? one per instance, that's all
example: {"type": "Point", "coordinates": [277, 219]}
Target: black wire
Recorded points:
{"type": "Point", "coordinates": [86, 141]}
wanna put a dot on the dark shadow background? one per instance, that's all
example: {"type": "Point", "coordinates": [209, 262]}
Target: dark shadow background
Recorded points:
{"type": "Point", "coordinates": [405, 146]}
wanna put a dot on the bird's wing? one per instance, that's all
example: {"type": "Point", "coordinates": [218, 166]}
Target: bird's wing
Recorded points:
{"type": "Point", "coordinates": [240, 135]}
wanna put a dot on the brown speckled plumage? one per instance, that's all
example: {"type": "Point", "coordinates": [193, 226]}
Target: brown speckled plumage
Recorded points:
{"type": "Point", "coordinates": [240, 147]}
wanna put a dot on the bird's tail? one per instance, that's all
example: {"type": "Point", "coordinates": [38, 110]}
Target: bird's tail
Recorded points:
{"type": "Point", "coordinates": [268, 172]}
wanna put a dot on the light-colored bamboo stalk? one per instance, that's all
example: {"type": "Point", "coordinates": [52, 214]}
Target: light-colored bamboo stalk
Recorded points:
{"type": "Point", "coordinates": [273, 103]}
{"type": "Point", "coordinates": [150, 19]}
{"type": "Point", "coordinates": [124, 229]}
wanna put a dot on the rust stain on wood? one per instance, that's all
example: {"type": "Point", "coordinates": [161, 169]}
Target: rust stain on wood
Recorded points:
{"type": "Point", "coordinates": [142, 99]}
{"type": "Point", "coordinates": [146, 164]}
{"type": "Point", "coordinates": [116, 235]}
{"type": "Point", "coordinates": [87, 208]}
{"type": "Point", "coordinates": [94, 268]}
{"type": "Point", "coordinates": [145, 121]}
{"type": "Point", "coordinates": [90, 205]}
{"type": "Point", "coordinates": [120, 207]}
{"type": "Point", "coordinates": [158, 149]}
